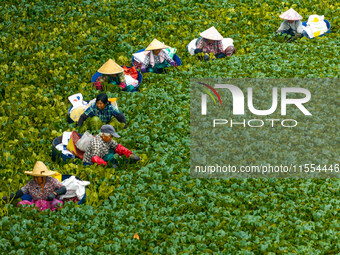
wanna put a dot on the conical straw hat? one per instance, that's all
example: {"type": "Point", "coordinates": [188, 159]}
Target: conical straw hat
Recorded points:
{"type": "Point", "coordinates": [110, 67]}
{"type": "Point", "coordinates": [291, 14]}
{"type": "Point", "coordinates": [40, 169]}
{"type": "Point", "coordinates": [211, 34]}
{"type": "Point", "coordinates": [156, 45]}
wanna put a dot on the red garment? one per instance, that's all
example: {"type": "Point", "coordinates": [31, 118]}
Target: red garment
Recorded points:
{"type": "Point", "coordinates": [122, 85]}
{"type": "Point", "coordinates": [131, 71]}
{"type": "Point", "coordinates": [72, 147]}
{"type": "Point", "coordinates": [137, 64]}
{"type": "Point", "coordinates": [121, 150]}
{"type": "Point", "coordinates": [98, 84]}
{"type": "Point", "coordinates": [99, 160]}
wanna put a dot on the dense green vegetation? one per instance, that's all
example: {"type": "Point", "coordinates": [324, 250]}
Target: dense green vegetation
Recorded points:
{"type": "Point", "coordinates": [50, 49]}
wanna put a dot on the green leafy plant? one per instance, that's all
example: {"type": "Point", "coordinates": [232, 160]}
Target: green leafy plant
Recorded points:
{"type": "Point", "coordinates": [49, 50]}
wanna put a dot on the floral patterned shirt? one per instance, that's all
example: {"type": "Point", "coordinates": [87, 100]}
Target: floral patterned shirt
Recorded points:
{"type": "Point", "coordinates": [33, 189]}
{"type": "Point", "coordinates": [207, 47]}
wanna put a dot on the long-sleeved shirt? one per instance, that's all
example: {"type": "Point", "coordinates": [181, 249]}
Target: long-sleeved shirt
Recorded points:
{"type": "Point", "coordinates": [157, 58]}
{"type": "Point", "coordinates": [208, 47]}
{"type": "Point", "coordinates": [33, 189]}
{"type": "Point", "coordinates": [98, 147]}
{"type": "Point", "coordinates": [296, 26]}
{"type": "Point", "coordinates": [104, 115]}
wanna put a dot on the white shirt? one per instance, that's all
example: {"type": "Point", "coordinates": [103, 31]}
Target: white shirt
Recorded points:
{"type": "Point", "coordinates": [296, 26]}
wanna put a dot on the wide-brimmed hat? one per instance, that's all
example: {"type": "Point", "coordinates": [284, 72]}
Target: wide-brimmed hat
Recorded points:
{"type": "Point", "coordinates": [156, 45]}
{"type": "Point", "coordinates": [291, 14]}
{"type": "Point", "coordinates": [211, 34]}
{"type": "Point", "coordinates": [110, 67]}
{"type": "Point", "coordinates": [40, 169]}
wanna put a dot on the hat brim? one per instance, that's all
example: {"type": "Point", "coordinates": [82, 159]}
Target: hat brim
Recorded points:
{"type": "Point", "coordinates": [295, 19]}
{"type": "Point", "coordinates": [291, 14]}
{"type": "Point", "coordinates": [212, 34]}
{"type": "Point", "coordinates": [116, 135]}
{"type": "Point", "coordinates": [49, 173]}
{"type": "Point", "coordinates": [110, 67]}
{"type": "Point", "coordinates": [113, 72]}
{"type": "Point", "coordinates": [219, 38]}
{"type": "Point", "coordinates": [157, 47]}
